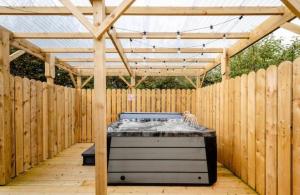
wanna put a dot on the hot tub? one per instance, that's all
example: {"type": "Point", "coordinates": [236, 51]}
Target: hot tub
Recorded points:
{"type": "Point", "coordinates": [159, 149]}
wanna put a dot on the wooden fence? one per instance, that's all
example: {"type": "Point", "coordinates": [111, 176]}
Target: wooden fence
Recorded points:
{"type": "Point", "coordinates": [42, 121]}
{"type": "Point", "coordinates": [257, 118]}
{"type": "Point", "coordinates": [135, 100]}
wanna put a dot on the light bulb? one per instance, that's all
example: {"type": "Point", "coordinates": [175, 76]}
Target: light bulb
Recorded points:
{"type": "Point", "coordinates": [178, 50]}
{"type": "Point", "coordinates": [144, 35]}
{"type": "Point", "coordinates": [153, 48]}
{"type": "Point", "coordinates": [178, 36]}
{"type": "Point", "coordinates": [111, 30]}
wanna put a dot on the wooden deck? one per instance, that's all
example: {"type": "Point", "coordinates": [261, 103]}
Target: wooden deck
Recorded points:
{"type": "Point", "coordinates": [65, 175]}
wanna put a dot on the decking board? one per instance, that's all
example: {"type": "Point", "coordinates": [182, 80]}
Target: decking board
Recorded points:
{"type": "Point", "coordinates": [64, 175]}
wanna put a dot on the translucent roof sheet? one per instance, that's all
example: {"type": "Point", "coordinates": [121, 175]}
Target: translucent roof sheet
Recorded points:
{"type": "Point", "coordinates": [140, 24]}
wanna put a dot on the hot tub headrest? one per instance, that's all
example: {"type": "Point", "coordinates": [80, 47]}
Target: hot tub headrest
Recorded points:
{"type": "Point", "coordinates": [150, 115]}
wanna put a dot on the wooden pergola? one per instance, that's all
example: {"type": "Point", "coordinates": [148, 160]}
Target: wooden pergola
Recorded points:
{"type": "Point", "coordinates": [102, 28]}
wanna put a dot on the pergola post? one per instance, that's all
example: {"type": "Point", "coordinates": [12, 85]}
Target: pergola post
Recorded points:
{"type": "Point", "coordinates": [225, 68]}
{"type": "Point", "coordinates": [100, 102]}
{"type": "Point", "coordinates": [50, 68]}
{"type": "Point", "coordinates": [132, 81]}
{"type": "Point", "coordinates": [5, 110]}
{"type": "Point", "coordinates": [78, 82]}
{"type": "Point", "coordinates": [78, 108]}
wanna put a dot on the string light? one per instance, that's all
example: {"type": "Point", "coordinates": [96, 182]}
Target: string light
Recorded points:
{"type": "Point", "coordinates": [241, 17]}
{"type": "Point", "coordinates": [178, 51]}
{"type": "Point", "coordinates": [178, 36]}
{"type": "Point", "coordinates": [203, 44]}
{"type": "Point", "coordinates": [144, 35]}
{"type": "Point", "coordinates": [111, 30]}
{"type": "Point", "coordinates": [153, 48]}
{"type": "Point", "coordinates": [211, 27]}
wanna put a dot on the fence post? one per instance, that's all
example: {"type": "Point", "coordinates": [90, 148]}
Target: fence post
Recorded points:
{"type": "Point", "coordinates": [5, 110]}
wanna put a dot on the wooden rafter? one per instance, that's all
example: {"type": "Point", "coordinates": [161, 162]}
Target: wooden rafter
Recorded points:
{"type": "Point", "coordinates": [34, 50]}
{"type": "Point", "coordinates": [147, 72]}
{"type": "Point", "coordinates": [77, 13]}
{"type": "Point", "coordinates": [291, 27]}
{"type": "Point", "coordinates": [141, 80]}
{"type": "Point", "coordinates": [87, 81]}
{"type": "Point", "coordinates": [112, 17]}
{"type": "Point", "coordinates": [134, 50]}
{"type": "Point", "coordinates": [268, 26]}
{"type": "Point", "coordinates": [72, 79]}
{"type": "Point", "coordinates": [16, 54]}
{"type": "Point", "coordinates": [293, 5]}
{"type": "Point", "coordinates": [161, 60]}
{"type": "Point", "coordinates": [125, 81]}
{"type": "Point", "coordinates": [116, 42]}
{"type": "Point", "coordinates": [164, 11]}
{"type": "Point", "coordinates": [191, 82]}
{"type": "Point", "coordinates": [105, 24]}
{"type": "Point", "coordinates": [133, 35]}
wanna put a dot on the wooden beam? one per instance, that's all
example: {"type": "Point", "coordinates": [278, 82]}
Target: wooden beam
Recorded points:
{"type": "Point", "coordinates": [140, 81]}
{"type": "Point", "coordinates": [132, 35]}
{"type": "Point", "coordinates": [112, 17]}
{"type": "Point", "coordinates": [203, 78]}
{"type": "Point", "coordinates": [161, 60]}
{"type": "Point", "coordinates": [99, 116]}
{"type": "Point", "coordinates": [28, 47]}
{"type": "Point", "coordinates": [87, 81]}
{"type": "Point", "coordinates": [147, 72]}
{"type": "Point", "coordinates": [15, 55]}
{"type": "Point", "coordinates": [77, 13]}
{"type": "Point", "coordinates": [268, 26]}
{"type": "Point", "coordinates": [132, 81]}
{"type": "Point", "coordinates": [291, 27]}
{"type": "Point", "coordinates": [191, 82]}
{"type": "Point", "coordinates": [5, 111]}
{"type": "Point", "coordinates": [72, 79]}
{"type": "Point", "coordinates": [120, 50]}
{"type": "Point", "coordinates": [225, 68]}
{"type": "Point", "coordinates": [134, 50]}
{"type": "Point", "coordinates": [293, 5]}
{"type": "Point", "coordinates": [78, 82]}
{"type": "Point", "coordinates": [125, 81]}
{"type": "Point", "coordinates": [50, 68]}
{"type": "Point", "coordinates": [65, 66]}
{"type": "Point", "coordinates": [160, 11]}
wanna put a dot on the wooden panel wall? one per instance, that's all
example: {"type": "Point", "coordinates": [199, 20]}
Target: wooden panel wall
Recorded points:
{"type": "Point", "coordinates": [134, 100]}
{"type": "Point", "coordinates": [256, 117]}
{"type": "Point", "coordinates": [42, 122]}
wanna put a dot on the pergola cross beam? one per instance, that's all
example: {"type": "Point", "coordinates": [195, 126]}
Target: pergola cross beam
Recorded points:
{"type": "Point", "coordinates": [291, 27]}
{"type": "Point", "coordinates": [268, 26]}
{"type": "Point", "coordinates": [293, 5]}
{"type": "Point", "coordinates": [104, 26]}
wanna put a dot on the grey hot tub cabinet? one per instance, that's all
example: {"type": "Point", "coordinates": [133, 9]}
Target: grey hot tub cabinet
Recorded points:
{"type": "Point", "coordinates": [159, 158]}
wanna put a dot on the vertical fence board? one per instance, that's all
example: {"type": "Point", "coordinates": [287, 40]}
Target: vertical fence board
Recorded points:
{"type": "Point", "coordinates": [108, 106]}
{"type": "Point", "coordinates": [260, 130]}
{"type": "Point", "coordinates": [33, 124]}
{"type": "Point", "coordinates": [284, 127]}
{"type": "Point", "coordinates": [236, 161]}
{"type": "Point", "coordinates": [89, 115]}
{"type": "Point", "coordinates": [244, 128]}
{"type": "Point", "coordinates": [83, 114]}
{"type": "Point", "coordinates": [26, 125]}
{"type": "Point", "coordinates": [271, 130]}
{"type": "Point", "coordinates": [296, 127]}
{"type": "Point", "coordinates": [19, 125]}
{"type": "Point", "coordinates": [251, 129]}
